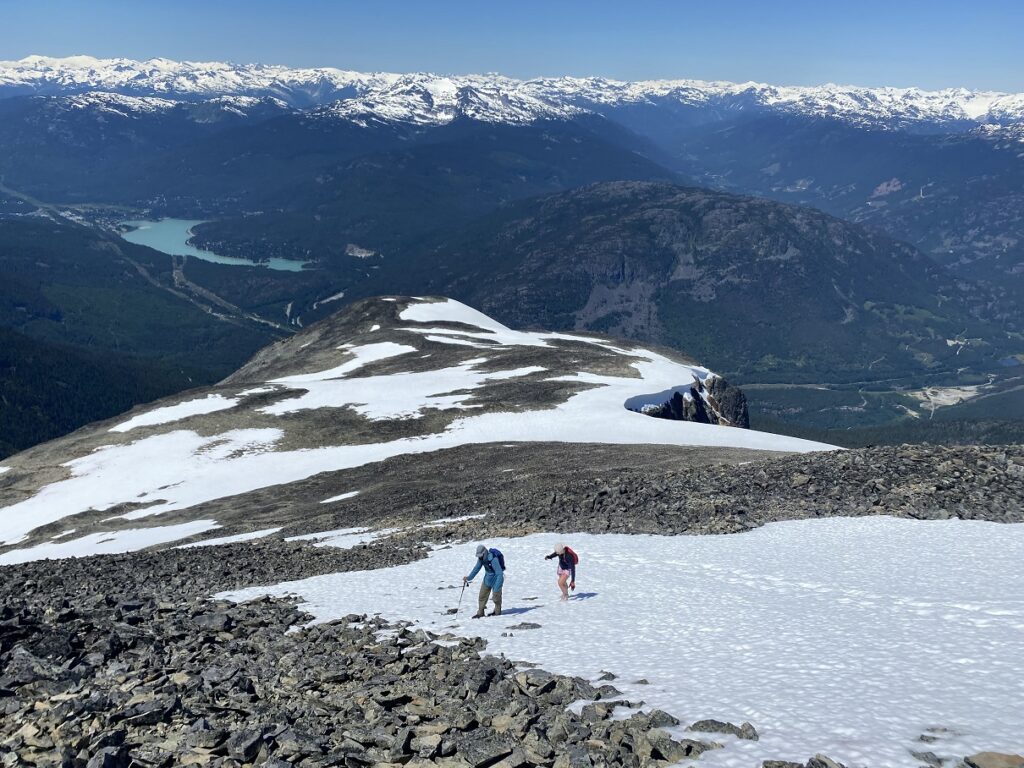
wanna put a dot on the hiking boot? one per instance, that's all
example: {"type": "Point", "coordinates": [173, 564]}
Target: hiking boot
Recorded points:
{"type": "Point", "coordinates": [478, 615]}
{"type": "Point", "coordinates": [495, 613]}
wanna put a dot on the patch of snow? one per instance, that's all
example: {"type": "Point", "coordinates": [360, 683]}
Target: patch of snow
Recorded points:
{"type": "Point", "coordinates": [333, 297]}
{"type": "Point", "coordinates": [340, 497]}
{"type": "Point", "coordinates": [849, 636]}
{"type": "Point", "coordinates": [238, 537]}
{"type": "Point", "coordinates": [172, 413]}
{"type": "Point", "coordinates": [375, 328]}
{"type": "Point", "coordinates": [108, 542]}
{"type": "Point", "coordinates": [4, 469]}
{"type": "Point", "coordinates": [178, 468]}
{"type": "Point", "coordinates": [395, 395]}
{"type": "Point", "coordinates": [61, 535]}
{"type": "Point", "coordinates": [455, 341]}
{"type": "Point", "coordinates": [446, 520]}
{"type": "Point", "coordinates": [343, 538]}
{"type": "Point", "coordinates": [451, 311]}
{"type": "Point", "coordinates": [327, 534]}
{"type": "Point", "coordinates": [257, 391]}
{"type": "Point", "coordinates": [361, 355]}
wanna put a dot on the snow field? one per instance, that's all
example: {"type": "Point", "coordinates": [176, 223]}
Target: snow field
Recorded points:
{"type": "Point", "coordinates": [849, 637]}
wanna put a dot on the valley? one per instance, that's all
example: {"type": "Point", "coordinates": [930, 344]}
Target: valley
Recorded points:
{"type": "Point", "coordinates": [366, 187]}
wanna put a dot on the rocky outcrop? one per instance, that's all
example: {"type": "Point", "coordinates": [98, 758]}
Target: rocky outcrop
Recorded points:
{"type": "Point", "coordinates": [712, 402]}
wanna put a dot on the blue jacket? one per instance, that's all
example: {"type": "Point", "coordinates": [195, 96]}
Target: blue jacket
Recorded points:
{"type": "Point", "coordinates": [495, 577]}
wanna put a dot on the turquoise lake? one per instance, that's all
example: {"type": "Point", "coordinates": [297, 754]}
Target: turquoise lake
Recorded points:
{"type": "Point", "coordinates": [171, 236]}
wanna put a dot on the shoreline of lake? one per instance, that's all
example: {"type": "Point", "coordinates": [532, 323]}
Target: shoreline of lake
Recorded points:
{"type": "Point", "coordinates": [173, 236]}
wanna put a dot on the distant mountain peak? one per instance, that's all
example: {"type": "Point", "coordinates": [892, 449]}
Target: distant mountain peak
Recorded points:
{"type": "Point", "coordinates": [427, 98]}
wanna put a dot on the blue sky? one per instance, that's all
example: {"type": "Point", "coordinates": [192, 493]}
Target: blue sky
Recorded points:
{"type": "Point", "coordinates": [931, 44]}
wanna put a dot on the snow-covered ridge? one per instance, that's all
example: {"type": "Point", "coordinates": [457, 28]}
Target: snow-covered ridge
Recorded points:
{"type": "Point", "coordinates": [425, 98]}
{"type": "Point", "coordinates": [450, 375]}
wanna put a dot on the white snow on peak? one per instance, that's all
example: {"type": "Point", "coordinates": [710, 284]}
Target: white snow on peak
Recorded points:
{"type": "Point", "coordinates": [118, 104]}
{"type": "Point", "coordinates": [431, 99]}
{"type": "Point", "coordinates": [822, 633]}
{"type": "Point", "coordinates": [4, 469]}
{"type": "Point", "coordinates": [424, 99]}
{"type": "Point", "coordinates": [172, 413]}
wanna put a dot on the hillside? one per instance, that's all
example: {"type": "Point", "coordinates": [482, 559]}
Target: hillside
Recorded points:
{"type": "Point", "coordinates": [48, 390]}
{"type": "Point", "coordinates": [758, 288]}
{"type": "Point", "coordinates": [939, 169]}
{"type": "Point", "coordinates": [384, 378]}
{"type": "Point", "coordinates": [94, 325]}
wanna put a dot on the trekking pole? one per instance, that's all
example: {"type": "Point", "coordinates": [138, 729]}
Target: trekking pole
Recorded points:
{"type": "Point", "coordinates": [460, 598]}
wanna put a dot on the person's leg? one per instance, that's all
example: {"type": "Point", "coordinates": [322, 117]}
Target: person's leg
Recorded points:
{"type": "Point", "coordinates": [485, 592]}
{"type": "Point", "coordinates": [497, 602]}
{"type": "Point", "coordinates": [563, 584]}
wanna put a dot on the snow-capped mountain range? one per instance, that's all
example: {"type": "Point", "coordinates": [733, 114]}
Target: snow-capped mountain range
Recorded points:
{"type": "Point", "coordinates": [430, 99]}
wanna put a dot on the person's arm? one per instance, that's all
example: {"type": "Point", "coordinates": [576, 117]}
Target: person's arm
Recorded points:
{"type": "Point", "coordinates": [572, 572]}
{"type": "Point", "coordinates": [553, 554]}
{"type": "Point", "coordinates": [499, 575]}
{"type": "Point", "coordinates": [475, 571]}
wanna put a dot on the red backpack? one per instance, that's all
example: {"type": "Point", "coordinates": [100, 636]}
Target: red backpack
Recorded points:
{"type": "Point", "coordinates": [575, 557]}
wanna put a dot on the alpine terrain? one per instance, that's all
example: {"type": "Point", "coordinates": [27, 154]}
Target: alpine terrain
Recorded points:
{"type": "Point", "coordinates": [370, 419]}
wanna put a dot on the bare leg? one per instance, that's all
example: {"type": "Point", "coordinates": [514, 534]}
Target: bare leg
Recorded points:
{"type": "Point", "coordinates": [563, 584]}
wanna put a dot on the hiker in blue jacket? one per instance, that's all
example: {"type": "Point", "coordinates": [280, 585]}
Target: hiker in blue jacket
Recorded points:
{"type": "Point", "coordinates": [494, 578]}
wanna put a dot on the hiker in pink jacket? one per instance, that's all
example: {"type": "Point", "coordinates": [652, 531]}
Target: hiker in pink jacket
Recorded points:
{"type": "Point", "coordinates": [567, 560]}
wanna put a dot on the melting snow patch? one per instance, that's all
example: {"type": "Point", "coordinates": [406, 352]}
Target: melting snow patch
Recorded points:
{"type": "Point", "coordinates": [375, 328]}
{"type": "Point", "coordinates": [395, 395]}
{"type": "Point", "coordinates": [343, 538]}
{"type": "Point", "coordinates": [849, 637]}
{"type": "Point", "coordinates": [171, 413]}
{"type": "Point", "coordinates": [4, 469]}
{"type": "Point", "coordinates": [362, 355]}
{"type": "Point", "coordinates": [108, 542]}
{"type": "Point", "coordinates": [445, 520]}
{"type": "Point", "coordinates": [238, 537]}
{"type": "Point", "coordinates": [257, 391]}
{"type": "Point", "coordinates": [339, 497]}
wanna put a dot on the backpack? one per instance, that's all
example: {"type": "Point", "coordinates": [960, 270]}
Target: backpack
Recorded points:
{"type": "Point", "coordinates": [501, 558]}
{"type": "Point", "coordinates": [575, 557]}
